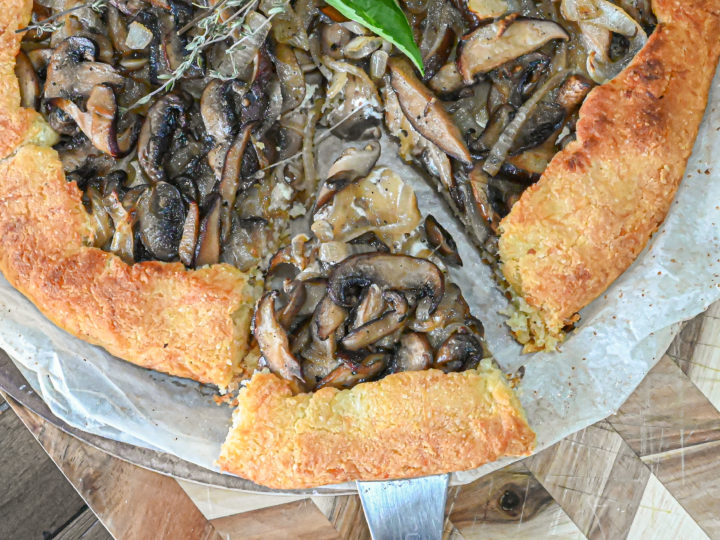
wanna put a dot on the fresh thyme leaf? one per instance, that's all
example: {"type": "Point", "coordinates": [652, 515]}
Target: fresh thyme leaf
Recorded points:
{"type": "Point", "coordinates": [387, 20]}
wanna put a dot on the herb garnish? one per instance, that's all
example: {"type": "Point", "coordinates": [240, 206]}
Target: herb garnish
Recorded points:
{"type": "Point", "coordinates": [387, 20]}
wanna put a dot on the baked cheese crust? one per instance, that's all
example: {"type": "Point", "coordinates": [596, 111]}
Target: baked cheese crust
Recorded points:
{"type": "Point", "coordinates": [600, 199]}
{"type": "Point", "coordinates": [408, 424]}
{"type": "Point", "coordinates": [189, 323]}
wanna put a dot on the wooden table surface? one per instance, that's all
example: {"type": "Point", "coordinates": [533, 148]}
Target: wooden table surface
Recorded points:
{"type": "Point", "coordinates": [650, 471]}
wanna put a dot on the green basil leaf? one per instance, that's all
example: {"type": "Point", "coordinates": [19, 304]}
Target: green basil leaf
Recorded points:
{"type": "Point", "coordinates": [387, 20]}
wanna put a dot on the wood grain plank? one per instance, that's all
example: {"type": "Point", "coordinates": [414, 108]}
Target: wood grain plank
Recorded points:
{"type": "Point", "coordinates": [675, 430]}
{"type": "Point", "coordinates": [84, 527]}
{"type": "Point", "coordinates": [696, 351]}
{"type": "Point", "coordinates": [660, 516]}
{"type": "Point", "coordinates": [596, 478]}
{"type": "Point", "coordinates": [35, 498]}
{"type": "Point", "coordinates": [218, 502]}
{"type": "Point", "coordinates": [132, 503]}
{"type": "Point", "coordinates": [298, 520]}
{"type": "Point", "coordinates": [509, 503]}
{"type": "Point", "coordinates": [346, 514]}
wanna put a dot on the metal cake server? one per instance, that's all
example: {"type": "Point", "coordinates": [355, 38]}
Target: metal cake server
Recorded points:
{"type": "Point", "coordinates": [405, 509]}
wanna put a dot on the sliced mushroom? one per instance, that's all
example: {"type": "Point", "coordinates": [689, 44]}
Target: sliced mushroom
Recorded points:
{"type": "Point", "coordinates": [573, 92]}
{"type": "Point", "coordinates": [462, 350]}
{"type": "Point", "coordinates": [161, 220]}
{"type": "Point", "coordinates": [399, 272]}
{"type": "Point", "coordinates": [73, 72]}
{"type": "Point", "coordinates": [296, 299]}
{"type": "Point", "coordinates": [414, 354]}
{"type": "Point", "coordinates": [208, 245]}
{"type": "Point", "coordinates": [424, 112]}
{"type": "Point", "coordinates": [452, 309]}
{"type": "Point", "coordinates": [188, 241]}
{"type": "Point", "coordinates": [447, 80]}
{"type": "Point", "coordinates": [216, 109]}
{"type": "Point", "coordinates": [292, 81]}
{"type": "Point", "coordinates": [362, 47]}
{"type": "Point", "coordinates": [441, 241]}
{"type": "Point", "coordinates": [163, 117]}
{"type": "Point", "coordinates": [437, 52]}
{"type": "Point", "coordinates": [370, 239]}
{"type": "Point", "coordinates": [28, 79]}
{"type": "Point", "coordinates": [99, 123]}
{"type": "Point", "coordinates": [232, 175]}
{"type": "Point", "coordinates": [495, 44]}
{"type": "Point", "coordinates": [352, 164]}
{"type": "Point", "coordinates": [380, 203]}
{"type": "Point", "coordinates": [333, 38]}
{"type": "Point", "coordinates": [374, 330]}
{"type": "Point", "coordinates": [349, 372]}
{"type": "Point", "coordinates": [370, 306]}
{"type": "Point", "coordinates": [273, 342]}
{"type": "Point", "coordinates": [487, 9]}
{"type": "Point", "coordinates": [247, 242]}
{"type": "Point", "coordinates": [327, 318]}
{"type": "Point", "coordinates": [496, 125]}
{"type": "Point", "coordinates": [123, 242]}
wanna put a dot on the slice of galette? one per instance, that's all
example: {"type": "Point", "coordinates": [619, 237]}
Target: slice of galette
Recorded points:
{"type": "Point", "coordinates": [368, 299]}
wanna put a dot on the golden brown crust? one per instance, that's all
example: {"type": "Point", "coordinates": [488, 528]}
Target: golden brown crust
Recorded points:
{"type": "Point", "coordinates": [160, 316]}
{"type": "Point", "coordinates": [597, 204]}
{"type": "Point", "coordinates": [188, 323]}
{"type": "Point", "coordinates": [405, 425]}
{"type": "Point", "coordinates": [16, 123]}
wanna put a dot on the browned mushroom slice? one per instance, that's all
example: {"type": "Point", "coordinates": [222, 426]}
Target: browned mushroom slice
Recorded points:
{"type": "Point", "coordinates": [161, 220]}
{"type": "Point", "coordinates": [28, 79]}
{"type": "Point", "coordinates": [232, 170]}
{"type": "Point", "coordinates": [73, 72]}
{"type": "Point", "coordinates": [296, 299]}
{"type": "Point", "coordinates": [370, 239]}
{"type": "Point", "coordinates": [424, 112]}
{"type": "Point", "coordinates": [273, 341]}
{"type": "Point", "coordinates": [188, 241]}
{"type": "Point", "coordinates": [461, 350]}
{"type": "Point", "coordinates": [328, 317]}
{"type": "Point", "coordinates": [163, 117]}
{"type": "Point", "coordinates": [441, 240]}
{"type": "Point", "coordinates": [292, 81]}
{"type": "Point", "coordinates": [436, 50]}
{"type": "Point", "coordinates": [414, 353]}
{"type": "Point", "coordinates": [123, 241]}
{"type": "Point", "coordinates": [388, 323]}
{"type": "Point", "coordinates": [349, 373]}
{"type": "Point", "coordinates": [399, 272]}
{"type": "Point", "coordinates": [208, 245]}
{"type": "Point", "coordinates": [246, 243]}
{"type": "Point", "coordinates": [447, 80]}
{"type": "Point", "coordinates": [572, 92]}
{"type": "Point", "coordinates": [352, 164]}
{"type": "Point", "coordinates": [495, 44]}
{"type": "Point", "coordinates": [100, 120]}
{"type": "Point", "coordinates": [452, 309]}
{"type": "Point", "coordinates": [216, 109]}
{"type": "Point", "coordinates": [486, 9]}
{"type": "Point", "coordinates": [370, 307]}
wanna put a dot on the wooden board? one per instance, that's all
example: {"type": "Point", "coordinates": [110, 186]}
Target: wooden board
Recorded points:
{"type": "Point", "coordinates": [649, 471]}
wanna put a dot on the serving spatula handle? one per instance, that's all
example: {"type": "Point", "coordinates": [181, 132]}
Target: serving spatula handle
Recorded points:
{"type": "Point", "coordinates": [405, 509]}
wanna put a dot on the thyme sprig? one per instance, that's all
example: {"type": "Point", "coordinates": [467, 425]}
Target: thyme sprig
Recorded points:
{"type": "Point", "coordinates": [50, 24]}
{"type": "Point", "coordinates": [214, 26]}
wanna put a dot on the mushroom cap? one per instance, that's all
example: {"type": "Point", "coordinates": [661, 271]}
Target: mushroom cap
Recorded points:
{"type": "Point", "coordinates": [399, 272]}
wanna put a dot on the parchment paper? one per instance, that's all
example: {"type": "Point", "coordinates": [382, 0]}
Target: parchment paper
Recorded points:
{"type": "Point", "coordinates": [620, 336]}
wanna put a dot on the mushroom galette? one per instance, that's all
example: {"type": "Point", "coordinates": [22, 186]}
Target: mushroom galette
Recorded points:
{"type": "Point", "coordinates": [160, 198]}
